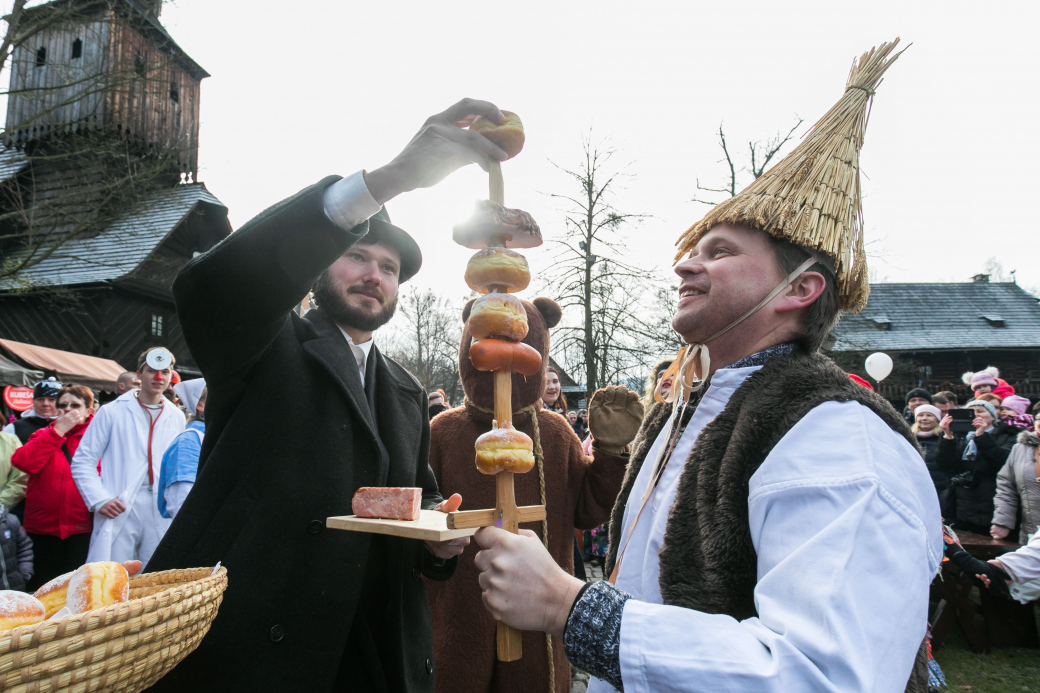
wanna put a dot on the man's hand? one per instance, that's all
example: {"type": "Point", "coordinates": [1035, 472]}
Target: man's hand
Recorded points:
{"type": "Point", "coordinates": [521, 583]}
{"type": "Point", "coordinates": [453, 547]}
{"type": "Point", "coordinates": [112, 509]}
{"type": "Point", "coordinates": [945, 426]}
{"type": "Point", "coordinates": [998, 532]}
{"type": "Point", "coordinates": [441, 146]}
{"type": "Point", "coordinates": [615, 415]}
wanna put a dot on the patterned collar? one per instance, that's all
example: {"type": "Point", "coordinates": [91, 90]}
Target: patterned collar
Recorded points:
{"type": "Point", "coordinates": [761, 358]}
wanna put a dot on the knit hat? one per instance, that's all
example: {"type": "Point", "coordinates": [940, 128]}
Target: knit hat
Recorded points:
{"type": "Point", "coordinates": [928, 409]}
{"type": "Point", "coordinates": [984, 377]}
{"type": "Point", "coordinates": [1019, 404]}
{"type": "Point", "coordinates": [812, 196]}
{"type": "Point", "coordinates": [919, 392]}
{"type": "Point", "coordinates": [980, 403]}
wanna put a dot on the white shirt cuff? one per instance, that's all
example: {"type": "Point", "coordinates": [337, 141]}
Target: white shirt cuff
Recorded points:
{"type": "Point", "coordinates": [348, 201]}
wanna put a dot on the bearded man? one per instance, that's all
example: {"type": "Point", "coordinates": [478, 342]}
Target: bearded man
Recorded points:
{"type": "Point", "coordinates": [777, 529]}
{"type": "Point", "coordinates": [309, 609]}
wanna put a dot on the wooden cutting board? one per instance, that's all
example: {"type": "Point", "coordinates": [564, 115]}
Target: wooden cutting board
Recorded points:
{"type": "Point", "coordinates": [432, 525]}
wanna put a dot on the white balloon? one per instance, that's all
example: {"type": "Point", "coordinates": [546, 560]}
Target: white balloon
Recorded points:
{"type": "Point", "coordinates": [879, 366]}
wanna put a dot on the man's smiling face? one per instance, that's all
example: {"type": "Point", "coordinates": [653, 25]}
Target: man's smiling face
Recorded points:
{"type": "Point", "coordinates": [731, 270]}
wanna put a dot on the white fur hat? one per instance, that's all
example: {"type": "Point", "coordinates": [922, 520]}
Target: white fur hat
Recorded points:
{"type": "Point", "coordinates": [928, 409]}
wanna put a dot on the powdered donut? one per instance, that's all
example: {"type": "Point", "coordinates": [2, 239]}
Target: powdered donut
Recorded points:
{"type": "Point", "coordinates": [19, 609]}
{"type": "Point", "coordinates": [97, 585]}
{"type": "Point", "coordinates": [53, 594]}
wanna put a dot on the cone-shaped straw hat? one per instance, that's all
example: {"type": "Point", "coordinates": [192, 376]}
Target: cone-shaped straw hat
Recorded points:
{"type": "Point", "coordinates": [811, 197]}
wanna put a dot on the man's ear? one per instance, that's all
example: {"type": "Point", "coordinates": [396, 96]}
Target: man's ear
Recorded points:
{"type": "Point", "coordinates": [802, 292]}
{"type": "Point", "coordinates": [466, 309]}
{"type": "Point", "coordinates": [550, 310]}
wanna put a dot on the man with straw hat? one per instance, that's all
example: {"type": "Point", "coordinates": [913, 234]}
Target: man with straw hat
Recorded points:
{"type": "Point", "coordinates": [748, 551]}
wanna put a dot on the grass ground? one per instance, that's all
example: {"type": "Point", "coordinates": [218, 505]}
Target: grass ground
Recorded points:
{"type": "Point", "coordinates": [1000, 671]}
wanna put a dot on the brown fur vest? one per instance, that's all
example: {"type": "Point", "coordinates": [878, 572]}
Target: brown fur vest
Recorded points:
{"type": "Point", "coordinates": [708, 562]}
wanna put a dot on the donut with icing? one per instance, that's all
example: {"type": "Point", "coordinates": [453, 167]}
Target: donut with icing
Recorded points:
{"type": "Point", "coordinates": [491, 224]}
{"type": "Point", "coordinates": [504, 449]}
{"type": "Point", "coordinates": [498, 316]}
{"type": "Point", "coordinates": [501, 269]}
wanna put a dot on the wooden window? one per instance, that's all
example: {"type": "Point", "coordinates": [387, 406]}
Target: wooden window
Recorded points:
{"type": "Point", "coordinates": [77, 49]}
{"type": "Point", "coordinates": [157, 325]}
{"type": "Point", "coordinates": [175, 93]}
{"type": "Point", "coordinates": [139, 65]}
{"type": "Point", "coordinates": [41, 56]}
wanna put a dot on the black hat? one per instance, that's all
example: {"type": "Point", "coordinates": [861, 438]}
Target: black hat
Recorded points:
{"type": "Point", "coordinates": [381, 231]}
{"type": "Point", "coordinates": [918, 392]}
{"type": "Point", "coordinates": [47, 388]}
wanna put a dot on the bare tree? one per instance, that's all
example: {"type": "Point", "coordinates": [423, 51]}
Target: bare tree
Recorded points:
{"type": "Point", "coordinates": [426, 341]}
{"type": "Point", "coordinates": [760, 154]}
{"type": "Point", "coordinates": [605, 335]}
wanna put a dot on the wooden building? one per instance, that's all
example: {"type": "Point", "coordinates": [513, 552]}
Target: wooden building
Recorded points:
{"type": "Point", "coordinates": [936, 332]}
{"type": "Point", "coordinates": [100, 206]}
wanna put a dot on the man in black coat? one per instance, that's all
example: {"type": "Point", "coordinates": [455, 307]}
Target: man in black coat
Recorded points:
{"type": "Point", "coordinates": [308, 608]}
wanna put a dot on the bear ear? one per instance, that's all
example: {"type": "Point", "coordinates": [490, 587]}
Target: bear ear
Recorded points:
{"type": "Point", "coordinates": [466, 309]}
{"type": "Point", "coordinates": [550, 310]}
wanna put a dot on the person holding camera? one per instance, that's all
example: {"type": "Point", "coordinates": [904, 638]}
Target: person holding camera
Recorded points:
{"type": "Point", "coordinates": [974, 465]}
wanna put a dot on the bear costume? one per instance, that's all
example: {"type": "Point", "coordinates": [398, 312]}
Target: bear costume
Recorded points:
{"type": "Point", "coordinates": [579, 493]}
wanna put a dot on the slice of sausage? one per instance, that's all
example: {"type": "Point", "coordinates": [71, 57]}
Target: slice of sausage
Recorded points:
{"type": "Point", "coordinates": [498, 355]}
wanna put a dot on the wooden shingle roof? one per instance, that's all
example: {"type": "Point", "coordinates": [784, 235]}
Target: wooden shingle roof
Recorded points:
{"type": "Point", "coordinates": [931, 317]}
{"type": "Point", "coordinates": [120, 248]}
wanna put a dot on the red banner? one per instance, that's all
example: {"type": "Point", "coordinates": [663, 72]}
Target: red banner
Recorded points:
{"type": "Point", "coordinates": [18, 398]}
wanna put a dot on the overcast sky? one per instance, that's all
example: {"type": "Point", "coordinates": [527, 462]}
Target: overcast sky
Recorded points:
{"type": "Point", "coordinates": [307, 88]}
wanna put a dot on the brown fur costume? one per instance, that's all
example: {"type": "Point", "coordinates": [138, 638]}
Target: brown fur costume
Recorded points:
{"type": "Point", "coordinates": [579, 494]}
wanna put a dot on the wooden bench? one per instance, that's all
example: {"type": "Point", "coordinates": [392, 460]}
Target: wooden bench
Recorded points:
{"type": "Point", "coordinates": [995, 623]}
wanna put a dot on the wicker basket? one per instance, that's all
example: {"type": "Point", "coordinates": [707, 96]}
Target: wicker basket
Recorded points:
{"type": "Point", "coordinates": [124, 647]}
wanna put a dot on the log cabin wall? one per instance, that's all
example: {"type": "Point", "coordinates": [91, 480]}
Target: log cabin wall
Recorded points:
{"type": "Point", "coordinates": [104, 321]}
{"type": "Point", "coordinates": [106, 74]}
{"type": "Point", "coordinates": [156, 99]}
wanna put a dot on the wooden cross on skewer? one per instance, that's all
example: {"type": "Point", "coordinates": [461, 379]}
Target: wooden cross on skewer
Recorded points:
{"type": "Point", "coordinates": [505, 515]}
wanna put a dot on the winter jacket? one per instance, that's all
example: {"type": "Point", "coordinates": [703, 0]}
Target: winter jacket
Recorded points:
{"type": "Point", "coordinates": [180, 464]}
{"type": "Point", "coordinates": [54, 505]}
{"type": "Point", "coordinates": [12, 481]}
{"type": "Point", "coordinates": [930, 448]}
{"type": "Point", "coordinates": [975, 494]}
{"type": "Point", "coordinates": [16, 553]}
{"type": "Point", "coordinates": [27, 424]}
{"type": "Point", "coordinates": [1018, 490]}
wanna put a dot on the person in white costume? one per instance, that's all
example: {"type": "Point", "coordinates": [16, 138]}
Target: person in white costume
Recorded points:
{"type": "Point", "coordinates": [777, 529]}
{"type": "Point", "coordinates": [129, 436]}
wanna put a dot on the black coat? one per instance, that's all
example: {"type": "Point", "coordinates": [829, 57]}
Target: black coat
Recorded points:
{"type": "Point", "coordinates": [290, 436]}
{"type": "Point", "coordinates": [975, 490]}
{"type": "Point", "coordinates": [930, 449]}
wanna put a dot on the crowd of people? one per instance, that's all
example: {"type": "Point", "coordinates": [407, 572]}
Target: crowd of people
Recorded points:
{"type": "Point", "coordinates": [81, 481]}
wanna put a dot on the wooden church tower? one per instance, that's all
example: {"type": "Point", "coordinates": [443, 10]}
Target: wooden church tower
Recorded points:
{"type": "Point", "coordinates": [100, 204]}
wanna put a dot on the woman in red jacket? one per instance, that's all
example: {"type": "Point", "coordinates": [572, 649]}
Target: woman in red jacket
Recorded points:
{"type": "Point", "coordinates": [55, 517]}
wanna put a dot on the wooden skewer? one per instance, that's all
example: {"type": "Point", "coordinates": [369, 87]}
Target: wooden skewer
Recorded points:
{"type": "Point", "coordinates": [496, 184]}
{"type": "Point", "coordinates": [506, 516]}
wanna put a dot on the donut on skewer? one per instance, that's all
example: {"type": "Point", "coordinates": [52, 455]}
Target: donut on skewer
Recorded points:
{"type": "Point", "coordinates": [509, 135]}
{"type": "Point", "coordinates": [492, 224]}
{"type": "Point", "coordinates": [504, 449]}
{"type": "Point", "coordinates": [499, 268]}
{"type": "Point", "coordinates": [499, 316]}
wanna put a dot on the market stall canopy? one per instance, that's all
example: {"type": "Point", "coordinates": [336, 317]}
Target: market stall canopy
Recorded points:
{"type": "Point", "coordinates": [100, 374]}
{"type": "Point", "coordinates": [13, 374]}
